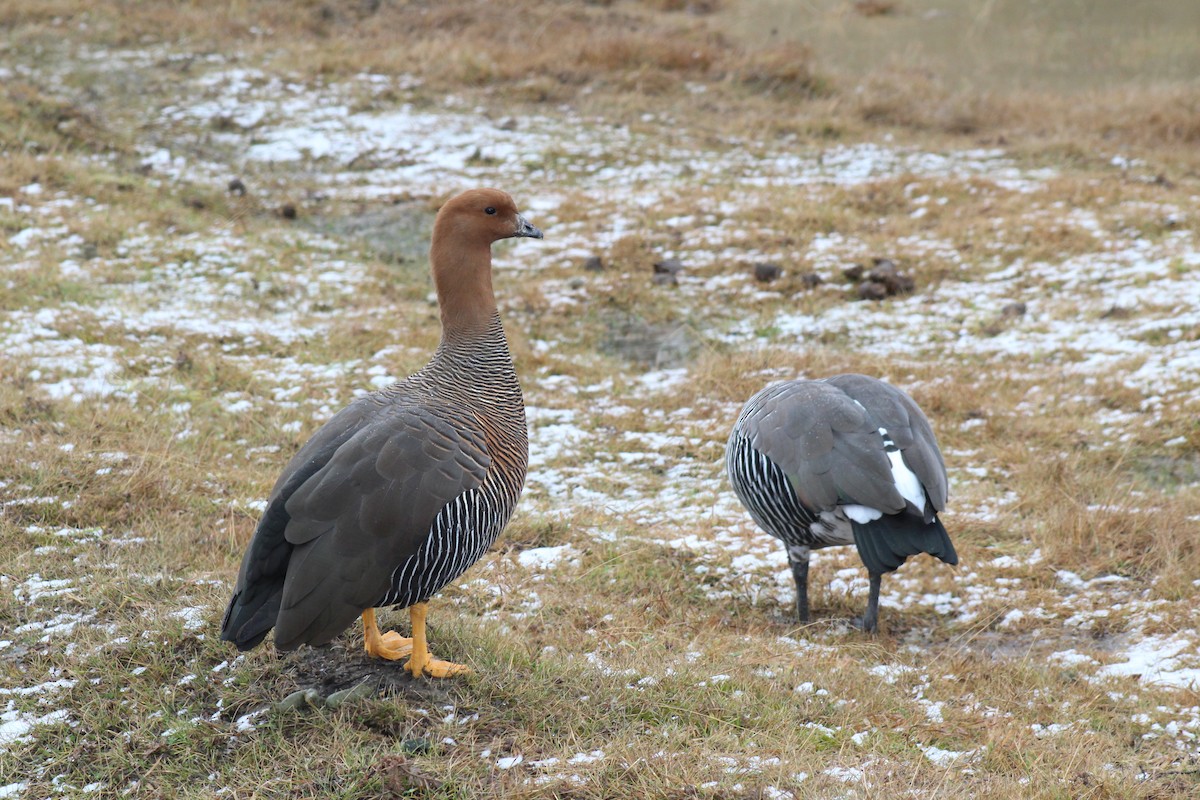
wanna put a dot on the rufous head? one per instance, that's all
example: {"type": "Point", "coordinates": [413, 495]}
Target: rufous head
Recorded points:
{"type": "Point", "coordinates": [461, 254]}
{"type": "Point", "coordinates": [479, 216]}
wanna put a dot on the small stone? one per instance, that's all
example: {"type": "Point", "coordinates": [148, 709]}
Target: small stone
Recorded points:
{"type": "Point", "coordinates": [1117, 312]}
{"type": "Point", "coordinates": [593, 264]}
{"type": "Point", "coordinates": [885, 272]}
{"type": "Point", "coordinates": [811, 280]}
{"type": "Point", "coordinates": [1013, 310]}
{"type": "Point", "coordinates": [854, 272]}
{"type": "Point", "coordinates": [902, 285]}
{"type": "Point", "coordinates": [668, 266]}
{"type": "Point", "coordinates": [765, 271]}
{"type": "Point", "coordinates": [287, 211]}
{"type": "Point", "coordinates": [576, 283]}
{"type": "Point", "coordinates": [415, 747]}
{"type": "Point", "coordinates": [872, 290]}
{"type": "Point", "coordinates": [236, 187]}
{"type": "Point", "coordinates": [665, 279]}
{"type": "Point", "coordinates": [89, 251]}
{"type": "Point", "coordinates": [509, 124]}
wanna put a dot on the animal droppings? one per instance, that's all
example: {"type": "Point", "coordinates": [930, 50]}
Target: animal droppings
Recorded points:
{"type": "Point", "coordinates": [666, 272]}
{"type": "Point", "coordinates": [894, 281]}
{"type": "Point", "coordinates": [765, 271]}
{"type": "Point", "coordinates": [872, 290]}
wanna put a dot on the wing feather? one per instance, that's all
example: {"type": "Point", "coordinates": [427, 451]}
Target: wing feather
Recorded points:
{"type": "Point", "coordinates": [359, 498]}
{"type": "Point", "coordinates": [825, 436]}
{"type": "Point", "coordinates": [367, 510]}
{"type": "Point", "coordinates": [908, 427]}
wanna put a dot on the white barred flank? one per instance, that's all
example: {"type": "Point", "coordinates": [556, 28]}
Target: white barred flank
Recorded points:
{"type": "Point", "coordinates": [467, 526]}
{"type": "Point", "coordinates": [767, 494]}
{"type": "Point", "coordinates": [460, 535]}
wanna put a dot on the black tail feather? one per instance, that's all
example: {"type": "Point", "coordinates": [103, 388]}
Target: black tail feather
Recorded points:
{"type": "Point", "coordinates": [250, 616]}
{"type": "Point", "coordinates": [884, 544]}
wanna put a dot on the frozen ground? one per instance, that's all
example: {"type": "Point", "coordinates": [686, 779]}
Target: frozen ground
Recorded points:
{"type": "Point", "coordinates": [228, 295]}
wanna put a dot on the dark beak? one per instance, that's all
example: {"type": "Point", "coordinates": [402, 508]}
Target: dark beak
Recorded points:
{"type": "Point", "coordinates": [526, 230]}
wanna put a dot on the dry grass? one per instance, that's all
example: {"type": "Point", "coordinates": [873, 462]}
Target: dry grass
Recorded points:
{"type": "Point", "coordinates": [659, 657]}
{"type": "Point", "coordinates": [1144, 119]}
{"type": "Point", "coordinates": [628, 56]}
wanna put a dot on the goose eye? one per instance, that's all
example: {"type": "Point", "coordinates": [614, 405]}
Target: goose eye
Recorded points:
{"type": "Point", "coordinates": [489, 210]}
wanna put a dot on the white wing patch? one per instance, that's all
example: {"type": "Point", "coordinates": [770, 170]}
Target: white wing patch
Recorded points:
{"type": "Point", "coordinates": [861, 514]}
{"type": "Point", "coordinates": [907, 483]}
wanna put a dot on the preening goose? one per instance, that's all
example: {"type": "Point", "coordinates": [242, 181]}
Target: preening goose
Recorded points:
{"type": "Point", "coordinates": [844, 460]}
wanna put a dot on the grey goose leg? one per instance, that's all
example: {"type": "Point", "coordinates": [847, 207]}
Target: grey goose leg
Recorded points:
{"type": "Point", "coordinates": [798, 558]}
{"type": "Point", "coordinates": [870, 620]}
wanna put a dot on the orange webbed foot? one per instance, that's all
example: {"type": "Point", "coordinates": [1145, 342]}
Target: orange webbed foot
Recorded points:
{"type": "Point", "coordinates": [391, 645]}
{"type": "Point", "coordinates": [422, 661]}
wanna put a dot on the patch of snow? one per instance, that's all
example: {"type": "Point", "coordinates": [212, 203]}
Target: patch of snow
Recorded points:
{"type": "Point", "coordinates": [193, 617]}
{"type": "Point", "coordinates": [1071, 658]}
{"type": "Point", "coordinates": [35, 588]}
{"type": "Point", "coordinates": [946, 758]}
{"type": "Point", "coordinates": [15, 725]}
{"type": "Point", "coordinates": [41, 688]}
{"type": "Point", "coordinates": [245, 723]}
{"type": "Point", "coordinates": [890, 672]}
{"type": "Point", "coordinates": [586, 758]}
{"type": "Point", "coordinates": [1167, 660]}
{"type": "Point", "coordinates": [544, 558]}
{"type": "Point", "coordinates": [1053, 729]}
{"type": "Point", "coordinates": [846, 774]}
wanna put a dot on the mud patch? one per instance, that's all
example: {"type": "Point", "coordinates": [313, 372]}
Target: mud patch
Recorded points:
{"type": "Point", "coordinates": [338, 666]}
{"type": "Point", "coordinates": [1169, 471]}
{"type": "Point", "coordinates": [665, 346]}
{"type": "Point", "coordinates": [397, 233]}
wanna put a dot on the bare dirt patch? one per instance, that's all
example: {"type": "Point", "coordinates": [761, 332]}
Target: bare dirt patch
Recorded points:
{"type": "Point", "coordinates": [340, 666]}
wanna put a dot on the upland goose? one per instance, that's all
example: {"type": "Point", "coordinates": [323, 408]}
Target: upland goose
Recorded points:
{"type": "Point", "coordinates": [844, 460]}
{"type": "Point", "coordinates": [405, 488]}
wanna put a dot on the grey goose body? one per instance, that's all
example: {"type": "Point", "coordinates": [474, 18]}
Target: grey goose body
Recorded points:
{"type": "Point", "coordinates": [405, 488]}
{"type": "Point", "coordinates": [844, 460]}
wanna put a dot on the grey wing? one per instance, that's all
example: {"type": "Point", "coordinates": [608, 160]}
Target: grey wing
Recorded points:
{"type": "Point", "coordinates": [828, 444]}
{"type": "Point", "coordinates": [908, 427]}
{"type": "Point", "coordinates": [255, 602]}
{"type": "Point", "coordinates": [369, 508]}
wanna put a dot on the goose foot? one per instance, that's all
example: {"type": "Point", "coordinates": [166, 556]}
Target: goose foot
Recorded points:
{"type": "Point", "coordinates": [391, 645]}
{"type": "Point", "coordinates": [422, 661]}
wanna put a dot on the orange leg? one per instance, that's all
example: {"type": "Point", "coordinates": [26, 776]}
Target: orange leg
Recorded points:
{"type": "Point", "coordinates": [422, 662]}
{"type": "Point", "coordinates": [390, 645]}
